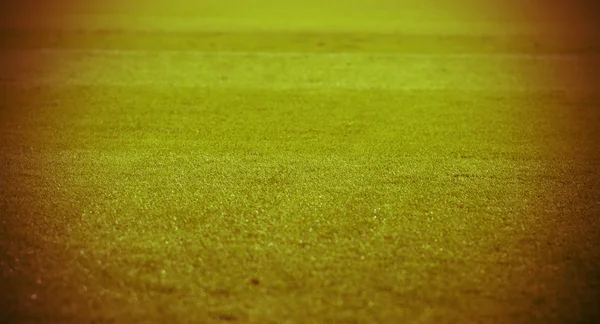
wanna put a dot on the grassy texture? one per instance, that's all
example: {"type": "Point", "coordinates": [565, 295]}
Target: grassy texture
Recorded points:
{"type": "Point", "coordinates": [302, 187]}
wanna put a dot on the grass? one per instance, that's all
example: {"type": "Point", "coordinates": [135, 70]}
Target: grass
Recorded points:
{"type": "Point", "coordinates": [277, 184]}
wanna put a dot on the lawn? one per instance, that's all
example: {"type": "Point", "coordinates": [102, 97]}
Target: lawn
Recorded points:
{"type": "Point", "coordinates": [343, 172]}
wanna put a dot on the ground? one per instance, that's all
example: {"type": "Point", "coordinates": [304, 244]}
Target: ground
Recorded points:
{"type": "Point", "coordinates": [211, 163]}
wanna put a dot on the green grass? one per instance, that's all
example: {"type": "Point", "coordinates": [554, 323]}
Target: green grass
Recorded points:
{"type": "Point", "coordinates": [302, 187]}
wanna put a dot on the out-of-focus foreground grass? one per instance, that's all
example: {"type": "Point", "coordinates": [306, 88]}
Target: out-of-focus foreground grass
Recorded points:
{"type": "Point", "coordinates": [202, 163]}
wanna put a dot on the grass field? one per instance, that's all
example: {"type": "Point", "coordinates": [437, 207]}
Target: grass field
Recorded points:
{"type": "Point", "coordinates": [207, 164]}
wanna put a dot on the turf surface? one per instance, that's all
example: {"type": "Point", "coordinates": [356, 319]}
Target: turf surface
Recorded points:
{"type": "Point", "coordinates": [293, 176]}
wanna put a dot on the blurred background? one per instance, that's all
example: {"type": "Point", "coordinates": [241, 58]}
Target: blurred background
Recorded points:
{"type": "Point", "coordinates": [401, 15]}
